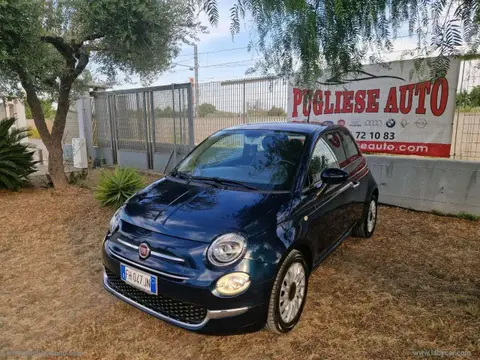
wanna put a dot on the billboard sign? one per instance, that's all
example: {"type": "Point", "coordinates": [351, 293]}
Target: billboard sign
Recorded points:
{"type": "Point", "coordinates": [387, 108]}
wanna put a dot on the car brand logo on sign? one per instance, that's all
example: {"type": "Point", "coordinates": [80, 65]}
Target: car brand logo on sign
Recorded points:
{"type": "Point", "coordinates": [421, 123]}
{"type": "Point", "coordinates": [373, 123]}
{"type": "Point", "coordinates": [144, 250]}
{"type": "Point", "coordinates": [391, 123]}
{"type": "Point", "coordinates": [355, 123]}
{"type": "Point", "coordinates": [341, 122]}
{"type": "Point", "coordinates": [404, 123]}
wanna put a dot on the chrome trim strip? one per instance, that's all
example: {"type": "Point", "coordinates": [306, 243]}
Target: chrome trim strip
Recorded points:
{"type": "Point", "coordinates": [133, 263]}
{"type": "Point", "coordinates": [152, 253]}
{"type": "Point", "coordinates": [168, 257]}
{"type": "Point", "coordinates": [220, 314]}
{"type": "Point", "coordinates": [127, 244]}
{"type": "Point", "coordinates": [211, 314]}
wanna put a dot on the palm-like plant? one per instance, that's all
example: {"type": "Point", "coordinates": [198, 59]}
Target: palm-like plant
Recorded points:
{"type": "Point", "coordinates": [116, 187]}
{"type": "Point", "coordinates": [16, 159]}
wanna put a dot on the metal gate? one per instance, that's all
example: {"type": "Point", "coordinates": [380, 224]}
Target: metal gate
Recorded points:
{"type": "Point", "coordinates": [146, 128]}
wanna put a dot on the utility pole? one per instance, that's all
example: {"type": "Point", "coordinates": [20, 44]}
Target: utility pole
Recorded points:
{"type": "Point", "coordinates": [197, 92]}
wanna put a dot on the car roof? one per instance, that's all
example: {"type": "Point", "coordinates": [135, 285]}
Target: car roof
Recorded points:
{"type": "Point", "coordinates": [299, 127]}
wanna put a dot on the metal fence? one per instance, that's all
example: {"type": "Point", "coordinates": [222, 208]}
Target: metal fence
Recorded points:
{"type": "Point", "coordinates": [149, 128]}
{"type": "Point", "coordinates": [235, 102]}
{"type": "Point", "coordinates": [466, 125]}
{"type": "Point", "coordinates": [162, 123]}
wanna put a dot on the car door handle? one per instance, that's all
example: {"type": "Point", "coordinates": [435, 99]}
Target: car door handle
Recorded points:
{"type": "Point", "coordinates": [355, 184]}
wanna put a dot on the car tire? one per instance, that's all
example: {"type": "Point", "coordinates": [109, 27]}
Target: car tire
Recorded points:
{"type": "Point", "coordinates": [284, 294]}
{"type": "Point", "coordinates": [366, 226]}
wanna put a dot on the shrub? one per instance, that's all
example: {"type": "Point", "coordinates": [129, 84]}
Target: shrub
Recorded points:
{"type": "Point", "coordinates": [205, 109]}
{"type": "Point", "coordinates": [116, 187]}
{"type": "Point", "coordinates": [16, 159]}
{"type": "Point", "coordinates": [276, 111]}
{"type": "Point", "coordinates": [33, 133]}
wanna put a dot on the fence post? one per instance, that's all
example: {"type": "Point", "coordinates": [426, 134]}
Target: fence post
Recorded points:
{"type": "Point", "coordinates": [244, 103]}
{"type": "Point", "coordinates": [85, 128]}
{"type": "Point", "coordinates": [191, 132]}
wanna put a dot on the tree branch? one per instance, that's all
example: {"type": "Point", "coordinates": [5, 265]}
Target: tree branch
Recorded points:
{"type": "Point", "coordinates": [35, 105]}
{"type": "Point", "coordinates": [62, 47]}
{"type": "Point", "coordinates": [92, 37]}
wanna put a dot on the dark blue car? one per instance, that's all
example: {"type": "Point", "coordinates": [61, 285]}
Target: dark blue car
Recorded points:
{"type": "Point", "coordinates": [226, 241]}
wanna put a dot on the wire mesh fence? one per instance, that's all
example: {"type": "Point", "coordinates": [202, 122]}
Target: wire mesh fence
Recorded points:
{"type": "Point", "coordinates": [154, 121]}
{"type": "Point", "coordinates": [229, 103]}
{"type": "Point", "coordinates": [162, 113]}
{"type": "Point", "coordinates": [466, 126]}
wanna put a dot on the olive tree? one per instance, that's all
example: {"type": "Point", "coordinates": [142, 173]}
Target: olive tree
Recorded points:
{"type": "Point", "coordinates": [46, 45]}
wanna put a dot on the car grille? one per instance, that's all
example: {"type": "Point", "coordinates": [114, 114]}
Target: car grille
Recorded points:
{"type": "Point", "coordinates": [171, 308]}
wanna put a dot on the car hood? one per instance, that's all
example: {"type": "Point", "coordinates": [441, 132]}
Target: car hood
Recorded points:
{"type": "Point", "coordinates": [202, 212]}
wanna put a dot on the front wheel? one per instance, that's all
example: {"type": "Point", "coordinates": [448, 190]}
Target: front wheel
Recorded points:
{"type": "Point", "coordinates": [366, 226]}
{"type": "Point", "coordinates": [288, 293]}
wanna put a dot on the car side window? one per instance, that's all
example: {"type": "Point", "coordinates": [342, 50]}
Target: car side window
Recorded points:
{"type": "Point", "coordinates": [335, 143]}
{"type": "Point", "coordinates": [349, 146]}
{"type": "Point", "coordinates": [322, 158]}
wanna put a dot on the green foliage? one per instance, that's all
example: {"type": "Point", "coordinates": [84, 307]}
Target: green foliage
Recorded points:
{"type": "Point", "coordinates": [299, 38]}
{"type": "Point", "coordinates": [474, 96]}
{"type": "Point", "coordinates": [461, 215]}
{"type": "Point", "coordinates": [467, 216]}
{"type": "Point", "coordinates": [205, 109]}
{"type": "Point", "coordinates": [16, 159]}
{"type": "Point", "coordinates": [45, 46]}
{"type": "Point", "coordinates": [466, 100]}
{"type": "Point", "coordinates": [76, 177]}
{"type": "Point", "coordinates": [47, 107]}
{"type": "Point", "coordinates": [164, 113]}
{"type": "Point", "coordinates": [463, 99]}
{"type": "Point", "coordinates": [116, 187]}
{"type": "Point", "coordinates": [33, 133]}
{"type": "Point", "coordinates": [276, 111]}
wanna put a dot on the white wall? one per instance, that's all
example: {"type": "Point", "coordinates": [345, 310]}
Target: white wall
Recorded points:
{"type": "Point", "coordinates": [426, 184]}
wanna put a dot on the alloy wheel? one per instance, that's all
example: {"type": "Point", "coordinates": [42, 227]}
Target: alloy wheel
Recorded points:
{"type": "Point", "coordinates": [292, 292]}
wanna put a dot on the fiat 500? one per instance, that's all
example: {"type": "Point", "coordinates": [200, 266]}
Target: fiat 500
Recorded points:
{"type": "Point", "coordinates": [226, 242]}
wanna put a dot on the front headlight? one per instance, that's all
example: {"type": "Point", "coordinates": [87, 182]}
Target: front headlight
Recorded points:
{"type": "Point", "coordinates": [226, 249]}
{"type": "Point", "coordinates": [114, 221]}
{"type": "Point", "coordinates": [232, 284]}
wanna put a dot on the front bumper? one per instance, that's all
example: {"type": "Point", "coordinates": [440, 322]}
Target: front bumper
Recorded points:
{"type": "Point", "coordinates": [243, 313]}
{"type": "Point", "coordinates": [211, 314]}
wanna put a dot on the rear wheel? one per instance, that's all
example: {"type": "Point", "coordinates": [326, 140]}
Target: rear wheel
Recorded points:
{"type": "Point", "coordinates": [288, 294]}
{"type": "Point", "coordinates": [366, 226]}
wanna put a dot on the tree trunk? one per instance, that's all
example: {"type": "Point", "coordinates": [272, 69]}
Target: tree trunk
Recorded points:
{"type": "Point", "coordinates": [53, 142]}
{"type": "Point", "coordinates": [55, 165]}
{"type": "Point", "coordinates": [55, 152]}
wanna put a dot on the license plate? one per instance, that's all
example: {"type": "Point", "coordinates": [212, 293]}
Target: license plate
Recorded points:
{"type": "Point", "coordinates": [139, 279]}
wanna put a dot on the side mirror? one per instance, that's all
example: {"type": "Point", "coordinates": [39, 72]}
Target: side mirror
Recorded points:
{"type": "Point", "coordinates": [334, 176]}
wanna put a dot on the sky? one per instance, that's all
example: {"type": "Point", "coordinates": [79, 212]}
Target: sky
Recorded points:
{"type": "Point", "coordinates": [223, 58]}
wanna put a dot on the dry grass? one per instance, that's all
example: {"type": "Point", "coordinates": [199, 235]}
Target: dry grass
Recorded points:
{"type": "Point", "coordinates": [414, 285]}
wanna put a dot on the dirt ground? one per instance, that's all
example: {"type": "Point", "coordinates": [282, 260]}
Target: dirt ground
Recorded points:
{"type": "Point", "coordinates": [415, 285]}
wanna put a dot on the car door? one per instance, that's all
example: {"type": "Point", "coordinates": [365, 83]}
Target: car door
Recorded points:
{"type": "Point", "coordinates": [356, 166]}
{"type": "Point", "coordinates": [350, 160]}
{"type": "Point", "coordinates": [325, 212]}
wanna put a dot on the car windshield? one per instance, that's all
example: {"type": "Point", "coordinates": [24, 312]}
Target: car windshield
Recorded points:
{"type": "Point", "coordinates": [259, 159]}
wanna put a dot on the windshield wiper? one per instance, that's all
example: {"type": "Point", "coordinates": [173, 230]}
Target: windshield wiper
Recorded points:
{"type": "Point", "coordinates": [225, 181]}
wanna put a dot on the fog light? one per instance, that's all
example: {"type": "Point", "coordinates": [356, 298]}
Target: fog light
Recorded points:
{"type": "Point", "coordinates": [232, 284]}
